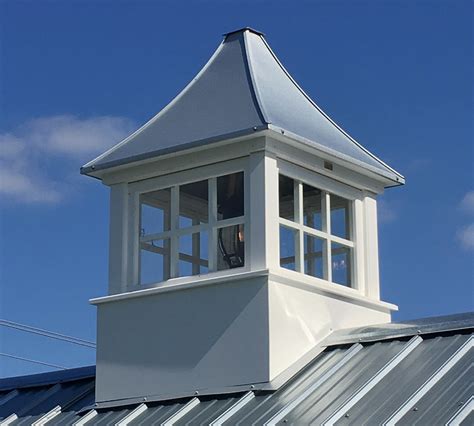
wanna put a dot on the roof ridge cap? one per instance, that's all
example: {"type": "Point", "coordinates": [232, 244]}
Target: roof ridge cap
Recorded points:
{"type": "Point", "coordinates": [243, 30]}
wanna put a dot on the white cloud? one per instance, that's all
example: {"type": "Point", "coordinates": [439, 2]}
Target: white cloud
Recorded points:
{"type": "Point", "coordinates": [467, 203]}
{"type": "Point", "coordinates": [466, 236]}
{"type": "Point", "coordinates": [66, 134]}
{"type": "Point", "coordinates": [386, 213]}
{"type": "Point", "coordinates": [37, 157]}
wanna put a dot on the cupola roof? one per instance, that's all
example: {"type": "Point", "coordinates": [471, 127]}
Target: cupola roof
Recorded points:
{"type": "Point", "coordinates": [241, 90]}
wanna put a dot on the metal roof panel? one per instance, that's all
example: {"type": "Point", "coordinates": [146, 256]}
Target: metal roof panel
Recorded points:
{"type": "Point", "coordinates": [242, 88]}
{"type": "Point", "coordinates": [218, 101]}
{"type": "Point", "coordinates": [410, 375]}
{"type": "Point", "coordinates": [438, 369]}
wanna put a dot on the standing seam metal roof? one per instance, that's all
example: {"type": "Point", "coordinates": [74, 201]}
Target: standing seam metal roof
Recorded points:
{"type": "Point", "coordinates": [405, 374]}
{"type": "Point", "coordinates": [243, 88]}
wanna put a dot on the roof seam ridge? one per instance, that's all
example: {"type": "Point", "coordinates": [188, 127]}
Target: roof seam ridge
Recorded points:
{"type": "Point", "coordinates": [253, 84]}
{"type": "Point", "coordinates": [324, 114]}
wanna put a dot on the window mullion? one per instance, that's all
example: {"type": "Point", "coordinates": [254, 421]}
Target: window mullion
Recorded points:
{"type": "Point", "coordinates": [212, 236]}
{"type": "Point", "coordinates": [299, 243]}
{"type": "Point", "coordinates": [174, 224]}
{"type": "Point", "coordinates": [326, 222]}
{"type": "Point", "coordinates": [196, 248]}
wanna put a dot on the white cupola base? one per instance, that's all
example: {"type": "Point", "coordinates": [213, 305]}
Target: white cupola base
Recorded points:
{"type": "Point", "coordinates": [218, 336]}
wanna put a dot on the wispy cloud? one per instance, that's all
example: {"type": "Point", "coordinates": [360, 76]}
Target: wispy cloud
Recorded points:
{"type": "Point", "coordinates": [386, 212]}
{"type": "Point", "coordinates": [467, 203]}
{"type": "Point", "coordinates": [465, 235]}
{"type": "Point", "coordinates": [417, 165]}
{"type": "Point", "coordinates": [37, 157]}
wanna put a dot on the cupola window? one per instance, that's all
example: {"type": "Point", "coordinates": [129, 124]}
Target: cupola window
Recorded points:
{"type": "Point", "coordinates": [192, 229]}
{"type": "Point", "coordinates": [315, 232]}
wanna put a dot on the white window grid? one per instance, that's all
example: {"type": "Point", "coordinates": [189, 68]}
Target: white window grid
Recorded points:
{"type": "Point", "coordinates": [324, 234]}
{"type": "Point", "coordinates": [175, 231]}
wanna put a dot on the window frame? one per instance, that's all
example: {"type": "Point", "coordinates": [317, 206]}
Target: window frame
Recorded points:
{"type": "Point", "coordinates": [327, 186]}
{"type": "Point", "coordinates": [174, 181]}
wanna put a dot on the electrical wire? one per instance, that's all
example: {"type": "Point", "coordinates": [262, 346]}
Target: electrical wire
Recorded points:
{"type": "Point", "coordinates": [34, 361]}
{"type": "Point", "coordinates": [46, 333]}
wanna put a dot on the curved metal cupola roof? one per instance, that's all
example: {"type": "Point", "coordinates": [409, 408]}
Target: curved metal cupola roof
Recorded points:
{"type": "Point", "coordinates": [243, 88]}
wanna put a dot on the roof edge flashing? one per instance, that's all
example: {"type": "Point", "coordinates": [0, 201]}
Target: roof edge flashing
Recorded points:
{"type": "Point", "coordinates": [90, 169]}
{"type": "Point", "coordinates": [388, 175]}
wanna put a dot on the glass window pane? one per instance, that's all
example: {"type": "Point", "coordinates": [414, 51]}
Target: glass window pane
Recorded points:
{"type": "Point", "coordinates": [154, 261]}
{"type": "Point", "coordinates": [193, 254]}
{"type": "Point", "coordinates": [312, 207]}
{"type": "Point", "coordinates": [230, 247]}
{"type": "Point", "coordinates": [287, 248]}
{"type": "Point", "coordinates": [340, 217]}
{"type": "Point", "coordinates": [193, 204]}
{"type": "Point", "coordinates": [341, 264]}
{"type": "Point", "coordinates": [286, 197]}
{"type": "Point", "coordinates": [155, 211]}
{"type": "Point", "coordinates": [230, 196]}
{"type": "Point", "coordinates": [313, 256]}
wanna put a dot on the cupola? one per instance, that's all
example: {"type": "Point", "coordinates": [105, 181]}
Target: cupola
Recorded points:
{"type": "Point", "coordinates": [243, 230]}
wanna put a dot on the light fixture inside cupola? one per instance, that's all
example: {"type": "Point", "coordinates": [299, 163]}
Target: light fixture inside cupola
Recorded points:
{"type": "Point", "coordinates": [237, 241]}
{"type": "Point", "coordinates": [230, 204]}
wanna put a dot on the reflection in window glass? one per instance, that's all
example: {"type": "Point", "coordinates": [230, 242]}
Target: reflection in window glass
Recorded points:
{"type": "Point", "coordinates": [313, 256]}
{"type": "Point", "coordinates": [286, 197]}
{"type": "Point", "coordinates": [230, 196]}
{"type": "Point", "coordinates": [155, 211]}
{"type": "Point", "coordinates": [193, 254]}
{"type": "Point", "coordinates": [287, 248]}
{"type": "Point", "coordinates": [230, 247]}
{"type": "Point", "coordinates": [312, 207]}
{"type": "Point", "coordinates": [165, 239]}
{"type": "Point", "coordinates": [341, 264]}
{"type": "Point", "coordinates": [340, 217]}
{"type": "Point", "coordinates": [193, 204]}
{"type": "Point", "coordinates": [154, 261]}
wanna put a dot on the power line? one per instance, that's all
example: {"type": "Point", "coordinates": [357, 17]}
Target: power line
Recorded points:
{"type": "Point", "coordinates": [46, 333]}
{"type": "Point", "coordinates": [34, 361]}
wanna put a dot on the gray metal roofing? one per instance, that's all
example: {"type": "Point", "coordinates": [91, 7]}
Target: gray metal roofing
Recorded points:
{"type": "Point", "coordinates": [242, 88]}
{"type": "Point", "coordinates": [420, 374]}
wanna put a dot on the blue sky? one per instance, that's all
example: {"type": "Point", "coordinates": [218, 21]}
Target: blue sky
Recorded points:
{"type": "Point", "coordinates": [77, 76]}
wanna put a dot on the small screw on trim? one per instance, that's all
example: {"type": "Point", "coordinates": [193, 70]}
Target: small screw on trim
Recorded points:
{"type": "Point", "coordinates": [145, 398]}
{"type": "Point", "coordinates": [196, 393]}
{"type": "Point", "coordinates": [252, 387]}
{"type": "Point", "coordinates": [346, 415]}
{"type": "Point", "coordinates": [255, 129]}
{"type": "Point", "coordinates": [415, 409]}
{"type": "Point", "coordinates": [93, 167]}
{"type": "Point", "coordinates": [282, 132]}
